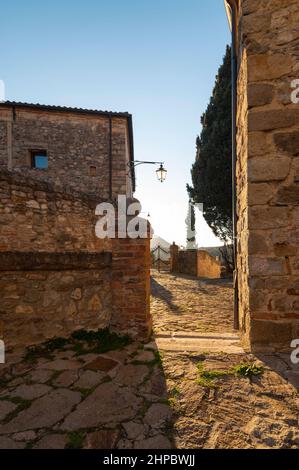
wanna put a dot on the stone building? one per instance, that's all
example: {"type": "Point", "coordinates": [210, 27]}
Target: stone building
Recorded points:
{"type": "Point", "coordinates": [266, 37]}
{"type": "Point", "coordinates": [56, 275]}
{"type": "Point", "coordinates": [89, 151]}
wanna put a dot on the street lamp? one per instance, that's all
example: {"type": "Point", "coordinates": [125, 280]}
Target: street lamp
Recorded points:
{"type": "Point", "coordinates": [161, 172]}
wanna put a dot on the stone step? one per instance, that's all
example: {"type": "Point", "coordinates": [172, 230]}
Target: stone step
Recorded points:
{"type": "Point", "coordinates": [199, 342]}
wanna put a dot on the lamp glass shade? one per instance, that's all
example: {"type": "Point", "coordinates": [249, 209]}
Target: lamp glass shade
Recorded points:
{"type": "Point", "coordinates": [161, 173]}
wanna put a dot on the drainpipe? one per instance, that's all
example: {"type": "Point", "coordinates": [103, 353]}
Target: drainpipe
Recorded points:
{"type": "Point", "coordinates": [9, 141]}
{"type": "Point", "coordinates": [233, 19]}
{"type": "Point", "coordinates": [110, 158]}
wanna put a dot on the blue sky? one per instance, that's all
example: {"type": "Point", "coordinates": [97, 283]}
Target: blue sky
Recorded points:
{"type": "Point", "coordinates": [156, 59]}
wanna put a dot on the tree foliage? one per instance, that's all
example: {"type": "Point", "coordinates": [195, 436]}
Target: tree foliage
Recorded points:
{"type": "Point", "coordinates": [212, 171]}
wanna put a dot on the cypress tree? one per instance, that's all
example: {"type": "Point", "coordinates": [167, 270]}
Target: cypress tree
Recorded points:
{"type": "Point", "coordinates": [212, 171]}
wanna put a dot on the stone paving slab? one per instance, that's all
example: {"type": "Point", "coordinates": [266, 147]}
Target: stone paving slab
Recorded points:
{"type": "Point", "coordinates": [107, 404]}
{"type": "Point", "coordinates": [101, 363]}
{"type": "Point", "coordinates": [152, 396]}
{"type": "Point", "coordinates": [61, 364]}
{"type": "Point", "coordinates": [44, 412]}
{"type": "Point", "coordinates": [6, 407]}
{"type": "Point", "coordinates": [66, 378]}
{"type": "Point", "coordinates": [227, 343]}
{"type": "Point", "coordinates": [131, 375]}
{"type": "Point", "coordinates": [52, 441]}
{"type": "Point", "coordinates": [30, 392]}
{"type": "Point", "coordinates": [89, 379]}
{"type": "Point", "coordinates": [6, 443]}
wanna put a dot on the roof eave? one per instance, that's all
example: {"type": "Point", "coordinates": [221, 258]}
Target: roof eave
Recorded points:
{"type": "Point", "coordinates": [94, 112]}
{"type": "Point", "coordinates": [63, 109]}
{"type": "Point", "coordinates": [228, 9]}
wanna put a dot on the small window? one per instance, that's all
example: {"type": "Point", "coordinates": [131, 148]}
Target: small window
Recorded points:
{"type": "Point", "coordinates": [39, 159]}
{"type": "Point", "coordinates": [92, 171]}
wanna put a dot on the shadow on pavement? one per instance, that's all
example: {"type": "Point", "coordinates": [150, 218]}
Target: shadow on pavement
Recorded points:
{"type": "Point", "coordinates": [281, 364]}
{"type": "Point", "coordinates": [159, 291]}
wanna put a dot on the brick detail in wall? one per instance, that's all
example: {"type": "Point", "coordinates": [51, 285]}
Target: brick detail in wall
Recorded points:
{"type": "Point", "coordinates": [131, 287]}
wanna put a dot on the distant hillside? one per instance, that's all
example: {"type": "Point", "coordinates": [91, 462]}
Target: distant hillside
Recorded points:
{"type": "Point", "coordinates": [215, 251]}
{"type": "Point", "coordinates": [212, 250]}
{"type": "Point", "coordinates": [157, 242]}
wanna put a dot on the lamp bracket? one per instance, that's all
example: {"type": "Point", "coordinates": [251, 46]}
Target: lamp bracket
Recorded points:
{"type": "Point", "coordinates": [134, 163]}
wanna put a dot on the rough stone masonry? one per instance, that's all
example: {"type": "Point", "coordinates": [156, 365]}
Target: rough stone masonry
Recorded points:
{"type": "Point", "coordinates": [90, 151]}
{"type": "Point", "coordinates": [268, 173]}
{"type": "Point", "coordinates": [56, 276]}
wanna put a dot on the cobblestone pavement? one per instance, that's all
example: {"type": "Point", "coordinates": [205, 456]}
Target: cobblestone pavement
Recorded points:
{"type": "Point", "coordinates": [181, 303]}
{"type": "Point", "coordinates": [135, 396]}
{"type": "Point", "coordinates": [70, 399]}
{"type": "Point", "coordinates": [217, 402]}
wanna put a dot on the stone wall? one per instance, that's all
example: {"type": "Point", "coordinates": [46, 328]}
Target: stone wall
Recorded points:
{"type": "Point", "coordinates": [268, 174]}
{"type": "Point", "coordinates": [46, 295]}
{"type": "Point", "coordinates": [56, 275]}
{"type": "Point", "coordinates": [38, 216]}
{"type": "Point", "coordinates": [183, 261]}
{"type": "Point", "coordinates": [207, 265]}
{"type": "Point", "coordinates": [77, 143]}
{"type": "Point", "coordinates": [197, 263]}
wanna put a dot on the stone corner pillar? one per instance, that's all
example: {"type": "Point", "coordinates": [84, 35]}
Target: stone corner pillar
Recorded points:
{"type": "Point", "coordinates": [131, 264]}
{"type": "Point", "coordinates": [174, 255]}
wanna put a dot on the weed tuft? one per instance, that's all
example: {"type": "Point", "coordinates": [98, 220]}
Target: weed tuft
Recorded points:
{"type": "Point", "coordinates": [98, 342]}
{"type": "Point", "coordinates": [83, 342]}
{"type": "Point", "coordinates": [248, 370]}
{"type": "Point", "coordinates": [158, 358]}
{"type": "Point", "coordinates": [207, 377]}
{"type": "Point", "coordinates": [45, 349]}
{"type": "Point", "coordinates": [75, 440]}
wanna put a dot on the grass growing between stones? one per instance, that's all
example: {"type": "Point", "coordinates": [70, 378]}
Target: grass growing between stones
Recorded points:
{"type": "Point", "coordinates": [85, 392]}
{"type": "Point", "coordinates": [45, 349]}
{"type": "Point", "coordinates": [159, 358]}
{"type": "Point", "coordinates": [207, 378]}
{"type": "Point", "coordinates": [21, 405]}
{"type": "Point", "coordinates": [83, 342]}
{"type": "Point", "coordinates": [75, 440]}
{"type": "Point", "coordinates": [98, 341]}
{"type": "Point", "coordinates": [171, 401]}
{"type": "Point", "coordinates": [3, 382]}
{"type": "Point", "coordinates": [157, 361]}
{"type": "Point", "coordinates": [248, 370]}
{"type": "Point", "coordinates": [174, 392]}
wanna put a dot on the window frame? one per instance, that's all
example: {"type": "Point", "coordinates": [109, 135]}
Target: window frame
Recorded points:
{"type": "Point", "coordinates": [93, 171]}
{"type": "Point", "coordinates": [38, 153]}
